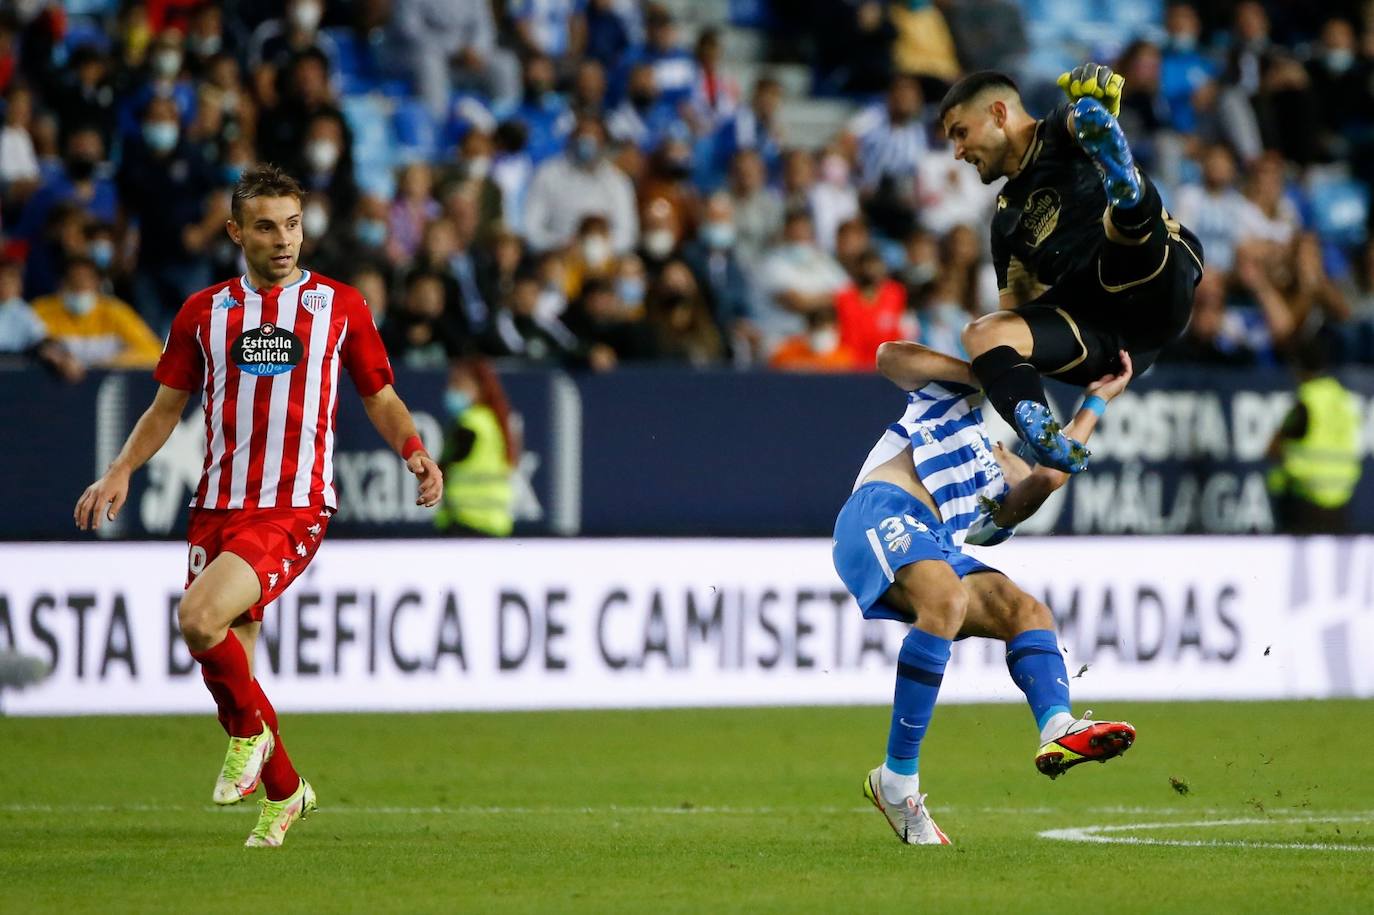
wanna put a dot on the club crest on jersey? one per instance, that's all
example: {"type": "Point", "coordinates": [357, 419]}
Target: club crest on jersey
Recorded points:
{"type": "Point", "coordinates": [267, 350]}
{"type": "Point", "coordinates": [316, 300]}
{"type": "Point", "coordinates": [1041, 214]}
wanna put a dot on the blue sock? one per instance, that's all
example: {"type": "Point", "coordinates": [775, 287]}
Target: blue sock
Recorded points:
{"type": "Point", "coordinates": [1037, 668]}
{"type": "Point", "coordinates": [920, 668]}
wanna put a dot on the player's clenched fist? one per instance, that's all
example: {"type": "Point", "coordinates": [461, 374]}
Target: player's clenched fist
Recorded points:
{"type": "Point", "coordinates": [1094, 81]}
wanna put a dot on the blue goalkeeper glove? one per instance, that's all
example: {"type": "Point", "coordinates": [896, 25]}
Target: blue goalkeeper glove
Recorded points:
{"type": "Point", "coordinates": [1094, 81]}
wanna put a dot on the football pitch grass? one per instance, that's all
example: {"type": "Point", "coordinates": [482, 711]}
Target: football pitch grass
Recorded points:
{"type": "Point", "coordinates": [1221, 807]}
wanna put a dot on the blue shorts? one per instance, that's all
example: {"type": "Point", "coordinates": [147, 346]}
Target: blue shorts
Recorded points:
{"type": "Point", "coordinates": [881, 529]}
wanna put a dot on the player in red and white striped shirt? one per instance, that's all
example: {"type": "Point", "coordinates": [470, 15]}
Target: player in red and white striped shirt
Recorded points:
{"type": "Point", "coordinates": [264, 351]}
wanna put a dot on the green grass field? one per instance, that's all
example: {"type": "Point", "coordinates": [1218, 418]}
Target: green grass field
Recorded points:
{"type": "Point", "coordinates": [750, 810]}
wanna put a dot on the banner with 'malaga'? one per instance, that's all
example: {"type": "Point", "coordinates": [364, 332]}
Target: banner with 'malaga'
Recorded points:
{"type": "Point", "coordinates": [419, 625]}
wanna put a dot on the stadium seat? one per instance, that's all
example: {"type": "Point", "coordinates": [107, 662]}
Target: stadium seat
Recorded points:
{"type": "Point", "coordinates": [1340, 210]}
{"type": "Point", "coordinates": [416, 133]}
{"type": "Point", "coordinates": [374, 146]}
{"type": "Point", "coordinates": [83, 32]}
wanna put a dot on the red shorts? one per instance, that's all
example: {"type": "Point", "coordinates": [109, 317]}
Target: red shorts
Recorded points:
{"type": "Point", "coordinates": [277, 542]}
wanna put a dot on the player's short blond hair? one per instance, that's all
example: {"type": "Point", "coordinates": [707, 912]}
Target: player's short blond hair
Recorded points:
{"type": "Point", "coordinates": [263, 180]}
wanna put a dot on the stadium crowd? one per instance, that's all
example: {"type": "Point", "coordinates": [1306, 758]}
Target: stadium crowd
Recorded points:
{"type": "Point", "coordinates": [582, 183]}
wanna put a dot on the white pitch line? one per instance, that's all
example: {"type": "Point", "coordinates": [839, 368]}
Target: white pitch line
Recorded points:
{"type": "Point", "coordinates": [1098, 834]}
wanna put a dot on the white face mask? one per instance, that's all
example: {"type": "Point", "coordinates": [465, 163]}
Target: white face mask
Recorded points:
{"type": "Point", "coordinates": [322, 155]}
{"type": "Point", "coordinates": [478, 167]}
{"type": "Point", "coordinates": [824, 339]}
{"type": "Point", "coordinates": [659, 242]}
{"type": "Point", "coordinates": [306, 16]}
{"type": "Point", "coordinates": [167, 62]}
{"type": "Point", "coordinates": [79, 303]}
{"type": "Point", "coordinates": [596, 250]}
{"type": "Point", "coordinates": [315, 220]}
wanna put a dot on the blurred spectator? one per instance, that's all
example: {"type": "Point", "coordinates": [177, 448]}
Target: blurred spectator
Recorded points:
{"type": "Point", "coordinates": [1184, 69]}
{"type": "Point", "coordinates": [23, 333]}
{"type": "Point", "coordinates": [588, 94]}
{"type": "Point", "coordinates": [667, 177]}
{"type": "Point", "coordinates": [100, 331]}
{"type": "Point", "coordinates": [511, 171]}
{"type": "Point", "coordinates": [815, 349]}
{"type": "Point", "coordinates": [716, 95]}
{"type": "Point", "coordinates": [1288, 110]}
{"type": "Point", "coordinates": [631, 282]}
{"type": "Point", "coordinates": [832, 199]}
{"type": "Point", "coordinates": [305, 93]}
{"type": "Point", "coordinates": [413, 208]}
{"type": "Point", "coordinates": [675, 71]}
{"type": "Point", "coordinates": [1144, 110]}
{"type": "Point", "coordinates": [1356, 335]}
{"type": "Point", "coordinates": [224, 88]}
{"type": "Point", "coordinates": [420, 333]}
{"type": "Point", "coordinates": [164, 76]}
{"type": "Point", "coordinates": [539, 339]}
{"type": "Point", "coordinates": [796, 278]}
{"type": "Point", "coordinates": [80, 183]}
{"type": "Point", "coordinates": [165, 187]}
{"type": "Point", "coordinates": [543, 27]}
{"type": "Point", "coordinates": [755, 128]}
{"type": "Point", "coordinates": [1269, 322]}
{"type": "Point", "coordinates": [871, 310]}
{"type": "Point", "coordinates": [1215, 335]}
{"type": "Point", "coordinates": [1268, 214]}
{"type": "Point", "coordinates": [206, 38]}
{"type": "Point", "coordinates": [462, 266]}
{"type": "Point", "coordinates": [950, 194]}
{"type": "Point", "coordinates": [891, 140]}
{"type": "Point", "coordinates": [326, 167]}
{"type": "Point", "coordinates": [370, 279]}
{"type": "Point", "coordinates": [758, 208]}
{"type": "Point", "coordinates": [798, 178]}
{"type": "Point", "coordinates": [362, 239]}
{"type": "Point", "coordinates": [722, 277]}
{"type": "Point", "coordinates": [575, 184]}
{"type": "Point", "coordinates": [451, 44]}
{"type": "Point", "coordinates": [472, 180]}
{"type": "Point", "coordinates": [1215, 210]}
{"type": "Point", "coordinates": [644, 118]}
{"type": "Point", "coordinates": [961, 290]}
{"type": "Point", "coordinates": [1317, 448]}
{"type": "Point", "coordinates": [1342, 90]}
{"type": "Point", "coordinates": [682, 320]}
{"type": "Point", "coordinates": [479, 454]}
{"type": "Point", "coordinates": [658, 242]}
{"type": "Point", "coordinates": [591, 256]}
{"type": "Point", "coordinates": [18, 162]}
{"type": "Point", "coordinates": [853, 47]}
{"type": "Point", "coordinates": [609, 29]}
{"type": "Point", "coordinates": [923, 45]}
{"type": "Point", "coordinates": [603, 321]}
{"type": "Point", "coordinates": [852, 242]}
{"type": "Point", "coordinates": [496, 273]}
{"type": "Point", "coordinates": [544, 112]}
{"type": "Point", "coordinates": [988, 34]}
{"type": "Point", "coordinates": [85, 95]}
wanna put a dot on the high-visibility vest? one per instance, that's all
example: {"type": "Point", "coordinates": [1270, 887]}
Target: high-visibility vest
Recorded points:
{"type": "Point", "coordinates": [477, 490]}
{"type": "Point", "coordinates": [1324, 465]}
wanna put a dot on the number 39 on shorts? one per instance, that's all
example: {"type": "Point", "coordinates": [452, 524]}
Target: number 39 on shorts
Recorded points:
{"type": "Point", "coordinates": [196, 560]}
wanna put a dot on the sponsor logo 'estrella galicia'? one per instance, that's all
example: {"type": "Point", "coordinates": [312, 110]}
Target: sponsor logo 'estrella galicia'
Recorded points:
{"type": "Point", "coordinates": [267, 350]}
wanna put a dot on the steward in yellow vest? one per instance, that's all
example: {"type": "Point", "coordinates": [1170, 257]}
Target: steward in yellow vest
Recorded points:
{"type": "Point", "coordinates": [477, 459]}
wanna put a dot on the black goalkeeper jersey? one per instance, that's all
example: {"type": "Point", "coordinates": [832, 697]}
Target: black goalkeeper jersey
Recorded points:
{"type": "Point", "coordinates": [1047, 231]}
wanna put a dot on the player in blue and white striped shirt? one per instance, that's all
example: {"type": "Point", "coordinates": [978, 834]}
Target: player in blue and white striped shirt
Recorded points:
{"type": "Point", "coordinates": [932, 483]}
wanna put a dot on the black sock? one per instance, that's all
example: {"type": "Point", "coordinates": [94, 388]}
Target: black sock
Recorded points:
{"type": "Point", "coordinates": [1137, 221]}
{"type": "Point", "coordinates": [1008, 378]}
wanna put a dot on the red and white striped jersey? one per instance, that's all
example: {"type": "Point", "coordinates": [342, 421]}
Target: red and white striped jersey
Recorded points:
{"type": "Point", "coordinates": [267, 365]}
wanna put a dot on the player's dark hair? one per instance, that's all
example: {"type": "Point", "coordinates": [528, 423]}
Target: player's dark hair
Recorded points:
{"type": "Point", "coordinates": [973, 85]}
{"type": "Point", "coordinates": [263, 180]}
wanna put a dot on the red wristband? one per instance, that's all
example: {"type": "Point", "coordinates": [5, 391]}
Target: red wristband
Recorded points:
{"type": "Point", "coordinates": [412, 445]}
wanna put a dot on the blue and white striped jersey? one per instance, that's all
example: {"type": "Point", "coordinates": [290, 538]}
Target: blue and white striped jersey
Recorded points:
{"type": "Point", "coordinates": [943, 424]}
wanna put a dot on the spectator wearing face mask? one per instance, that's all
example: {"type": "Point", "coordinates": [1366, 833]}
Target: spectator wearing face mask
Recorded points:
{"type": "Point", "coordinates": [1341, 88]}
{"type": "Point", "coordinates": [684, 328]}
{"type": "Point", "coordinates": [481, 450]}
{"type": "Point", "coordinates": [833, 200]}
{"type": "Point", "coordinates": [361, 240]}
{"type": "Point", "coordinates": [413, 208]}
{"type": "Point", "coordinates": [644, 118]}
{"type": "Point", "coordinates": [472, 179]}
{"type": "Point", "coordinates": [305, 92]}
{"type": "Point", "coordinates": [164, 76]}
{"type": "Point", "coordinates": [573, 185]}
{"type": "Point", "coordinates": [872, 310]}
{"type": "Point", "coordinates": [542, 110]}
{"type": "Point", "coordinates": [23, 335]}
{"type": "Point", "coordinates": [817, 348]}
{"type": "Point", "coordinates": [722, 277]}
{"type": "Point", "coordinates": [325, 162]}
{"type": "Point", "coordinates": [100, 331]}
{"type": "Point", "coordinates": [277, 41]}
{"type": "Point", "coordinates": [80, 185]}
{"type": "Point", "coordinates": [754, 129]}
{"type": "Point", "coordinates": [667, 178]}
{"type": "Point", "coordinates": [590, 257]}
{"type": "Point", "coordinates": [419, 333]}
{"type": "Point", "coordinates": [600, 318]}
{"type": "Point", "coordinates": [166, 185]}
{"type": "Point", "coordinates": [658, 243]}
{"type": "Point", "coordinates": [797, 278]}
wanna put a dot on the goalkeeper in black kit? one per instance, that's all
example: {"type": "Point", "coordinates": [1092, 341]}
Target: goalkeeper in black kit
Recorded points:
{"type": "Point", "coordinates": [1088, 261]}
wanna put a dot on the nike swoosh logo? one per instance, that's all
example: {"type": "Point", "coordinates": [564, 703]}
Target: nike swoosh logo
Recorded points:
{"type": "Point", "coordinates": [907, 724]}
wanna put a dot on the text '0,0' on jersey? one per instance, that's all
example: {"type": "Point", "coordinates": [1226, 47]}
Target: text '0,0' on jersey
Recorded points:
{"type": "Point", "coordinates": [943, 424]}
{"type": "Point", "coordinates": [267, 366]}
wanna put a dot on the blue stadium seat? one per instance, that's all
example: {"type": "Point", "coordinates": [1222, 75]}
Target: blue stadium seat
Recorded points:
{"type": "Point", "coordinates": [1340, 210]}
{"type": "Point", "coordinates": [417, 136]}
{"type": "Point", "coordinates": [82, 32]}
{"type": "Point", "coordinates": [374, 146]}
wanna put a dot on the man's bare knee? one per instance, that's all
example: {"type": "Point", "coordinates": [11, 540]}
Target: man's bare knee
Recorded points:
{"type": "Point", "coordinates": [941, 613]}
{"type": "Point", "coordinates": [994, 330]}
{"type": "Point", "coordinates": [1023, 613]}
{"type": "Point", "coordinates": [196, 618]}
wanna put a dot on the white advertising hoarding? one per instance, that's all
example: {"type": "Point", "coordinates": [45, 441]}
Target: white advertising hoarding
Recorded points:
{"type": "Point", "coordinates": [415, 625]}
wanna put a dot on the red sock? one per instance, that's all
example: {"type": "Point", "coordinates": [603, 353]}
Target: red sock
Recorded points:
{"type": "Point", "coordinates": [225, 670]}
{"type": "Point", "coordinates": [279, 777]}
